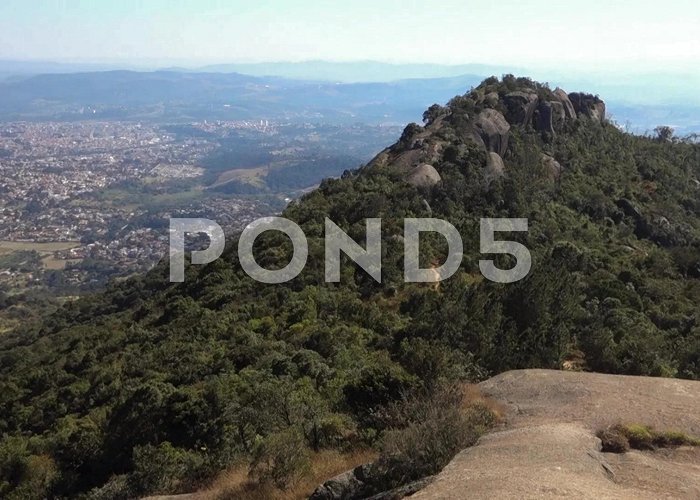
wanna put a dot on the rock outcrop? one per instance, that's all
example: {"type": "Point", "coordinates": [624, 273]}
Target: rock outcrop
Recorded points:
{"type": "Point", "coordinates": [484, 117]}
{"type": "Point", "coordinates": [520, 107]}
{"type": "Point", "coordinates": [423, 175]}
{"type": "Point", "coordinates": [588, 105]}
{"type": "Point", "coordinates": [549, 447]}
{"type": "Point", "coordinates": [566, 102]}
{"type": "Point", "coordinates": [358, 483]}
{"type": "Point", "coordinates": [552, 166]}
{"type": "Point", "coordinates": [550, 117]}
{"type": "Point", "coordinates": [495, 167]}
{"type": "Point", "coordinates": [491, 99]}
{"type": "Point", "coordinates": [408, 159]}
{"type": "Point", "coordinates": [348, 485]}
{"type": "Point", "coordinates": [494, 130]}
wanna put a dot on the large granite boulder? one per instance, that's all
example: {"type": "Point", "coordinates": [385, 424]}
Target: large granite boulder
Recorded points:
{"type": "Point", "coordinates": [543, 118]}
{"type": "Point", "coordinates": [493, 129]}
{"type": "Point", "coordinates": [348, 485]}
{"type": "Point", "coordinates": [495, 167]}
{"type": "Point", "coordinates": [598, 111]}
{"type": "Point", "coordinates": [588, 105]}
{"type": "Point", "coordinates": [629, 209]}
{"type": "Point", "coordinates": [471, 134]}
{"type": "Point", "coordinates": [558, 115]}
{"type": "Point", "coordinates": [551, 166]}
{"type": "Point", "coordinates": [563, 97]}
{"type": "Point", "coordinates": [520, 107]}
{"type": "Point", "coordinates": [550, 117]}
{"type": "Point", "coordinates": [365, 481]}
{"type": "Point", "coordinates": [407, 160]}
{"type": "Point", "coordinates": [423, 175]}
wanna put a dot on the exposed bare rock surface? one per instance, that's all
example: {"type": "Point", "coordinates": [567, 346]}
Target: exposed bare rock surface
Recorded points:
{"type": "Point", "coordinates": [495, 167]}
{"type": "Point", "coordinates": [558, 115]}
{"type": "Point", "coordinates": [408, 159]}
{"type": "Point", "coordinates": [552, 166]}
{"type": "Point", "coordinates": [596, 399]}
{"type": "Point", "coordinates": [487, 119]}
{"type": "Point", "coordinates": [588, 105]}
{"type": "Point", "coordinates": [543, 118]}
{"type": "Point", "coordinates": [548, 447]}
{"type": "Point", "coordinates": [550, 117]}
{"type": "Point", "coordinates": [566, 102]}
{"type": "Point", "coordinates": [493, 129]}
{"type": "Point", "coordinates": [350, 484]}
{"type": "Point", "coordinates": [423, 175]}
{"type": "Point", "coordinates": [521, 107]}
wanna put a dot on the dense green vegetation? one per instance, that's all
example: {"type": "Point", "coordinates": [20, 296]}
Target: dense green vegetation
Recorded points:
{"type": "Point", "coordinates": [188, 378]}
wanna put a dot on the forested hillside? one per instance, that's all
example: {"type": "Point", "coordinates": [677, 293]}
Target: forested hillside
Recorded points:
{"type": "Point", "coordinates": [153, 387]}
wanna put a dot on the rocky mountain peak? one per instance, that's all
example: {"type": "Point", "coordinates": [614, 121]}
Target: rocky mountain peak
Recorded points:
{"type": "Point", "coordinates": [484, 117]}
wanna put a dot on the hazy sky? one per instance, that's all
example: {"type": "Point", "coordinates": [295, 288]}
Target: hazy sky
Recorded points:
{"type": "Point", "coordinates": [600, 34]}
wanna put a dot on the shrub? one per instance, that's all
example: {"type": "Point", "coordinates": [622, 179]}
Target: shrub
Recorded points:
{"type": "Point", "coordinates": [432, 430]}
{"type": "Point", "coordinates": [620, 438]}
{"type": "Point", "coordinates": [164, 468]}
{"type": "Point", "coordinates": [24, 475]}
{"type": "Point", "coordinates": [613, 441]}
{"type": "Point", "coordinates": [377, 387]}
{"type": "Point", "coordinates": [639, 436]}
{"type": "Point", "coordinates": [38, 475]}
{"type": "Point", "coordinates": [117, 488]}
{"type": "Point", "coordinates": [281, 459]}
{"type": "Point", "coordinates": [674, 438]}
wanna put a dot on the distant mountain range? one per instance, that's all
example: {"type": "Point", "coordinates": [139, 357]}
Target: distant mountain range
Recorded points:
{"type": "Point", "coordinates": [366, 91]}
{"type": "Point", "coordinates": [347, 72]}
{"type": "Point", "coordinates": [182, 96]}
{"type": "Point", "coordinates": [360, 71]}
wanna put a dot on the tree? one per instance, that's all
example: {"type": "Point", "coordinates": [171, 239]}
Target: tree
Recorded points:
{"type": "Point", "coordinates": [432, 113]}
{"type": "Point", "coordinates": [664, 133]}
{"type": "Point", "coordinates": [281, 459]}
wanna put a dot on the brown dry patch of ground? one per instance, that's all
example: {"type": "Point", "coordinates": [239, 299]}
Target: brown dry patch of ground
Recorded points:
{"type": "Point", "coordinates": [252, 176]}
{"type": "Point", "coordinates": [473, 395]}
{"type": "Point", "coordinates": [234, 483]}
{"type": "Point", "coordinates": [13, 246]}
{"type": "Point", "coordinates": [548, 448]}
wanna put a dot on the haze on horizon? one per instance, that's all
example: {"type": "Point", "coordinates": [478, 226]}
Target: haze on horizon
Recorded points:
{"type": "Point", "coordinates": [575, 36]}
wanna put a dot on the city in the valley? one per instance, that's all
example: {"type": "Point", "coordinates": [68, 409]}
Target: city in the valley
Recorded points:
{"type": "Point", "coordinates": [82, 202]}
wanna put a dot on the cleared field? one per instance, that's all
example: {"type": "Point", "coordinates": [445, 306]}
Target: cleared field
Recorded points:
{"type": "Point", "coordinates": [46, 250]}
{"type": "Point", "coordinates": [252, 176]}
{"type": "Point", "coordinates": [14, 246]}
{"type": "Point", "coordinates": [176, 199]}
